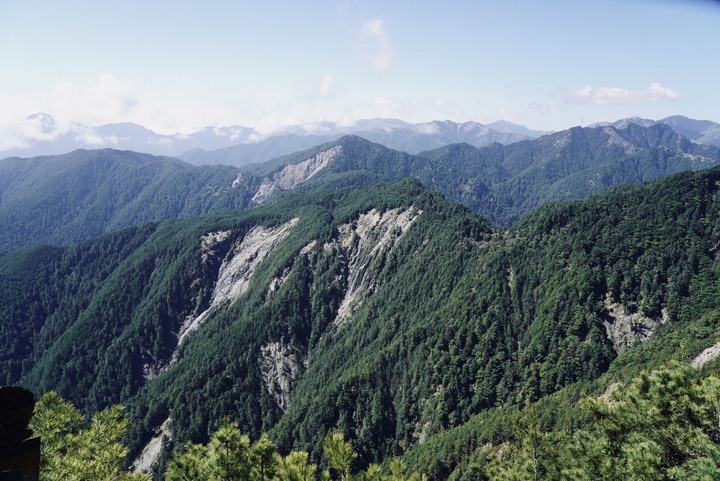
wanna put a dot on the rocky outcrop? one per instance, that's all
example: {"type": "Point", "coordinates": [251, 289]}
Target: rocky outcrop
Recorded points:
{"type": "Point", "coordinates": [366, 242]}
{"type": "Point", "coordinates": [294, 174]}
{"type": "Point", "coordinates": [280, 366]}
{"type": "Point", "coordinates": [237, 267]}
{"type": "Point", "coordinates": [19, 453]}
{"type": "Point", "coordinates": [708, 355]}
{"type": "Point", "coordinates": [152, 449]}
{"type": "Point", "coordinates": [240, 264]}
{"type": "Point", "coordinates": [625, 328]}
{"type": "Point", "coordinates": [614, 139]}
{"type": "Point", "coordinates": [209, 243]}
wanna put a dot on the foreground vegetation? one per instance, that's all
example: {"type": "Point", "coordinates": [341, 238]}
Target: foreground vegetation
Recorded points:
{"type": "Point", "coordinates": [662, 425]}
{"type": "Point", "coordinates": [77, 449]}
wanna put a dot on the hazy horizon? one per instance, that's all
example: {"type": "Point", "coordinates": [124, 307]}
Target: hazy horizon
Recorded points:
{"type": "Point", "coordinates": [176, 67]}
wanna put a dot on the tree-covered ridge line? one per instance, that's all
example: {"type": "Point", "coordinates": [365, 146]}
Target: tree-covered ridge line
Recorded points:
{"type": "Point", "coordinates": [64, 199]}
{"type": "Point", "coordinates": [457, 319]}
{"type": "Point", "coordinates": [84, 194]}
{"type": "Point", "coordinates": [506, 182]}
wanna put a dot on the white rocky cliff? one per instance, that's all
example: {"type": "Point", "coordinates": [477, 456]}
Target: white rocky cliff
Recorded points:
{"type": "Point", "coordinates": [365, 242]}
{"type": "Point", "coordinates": [294, 174]}
{"type": "Point", "coordinates": [280, 366]}
{"type": "Point", "coordinates": [237, 267]}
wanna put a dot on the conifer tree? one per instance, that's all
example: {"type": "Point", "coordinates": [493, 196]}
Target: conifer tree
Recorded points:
{"type": "Point", "coordinates": [74, 449]}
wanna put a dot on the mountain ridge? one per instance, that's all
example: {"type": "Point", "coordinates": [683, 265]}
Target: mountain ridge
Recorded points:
{"type": "Point", "coordinates": [251, 145]}
{"type": "Point", "coordinates": [504, 183]}
{"type": "Point", "coordinates": [699, 131]}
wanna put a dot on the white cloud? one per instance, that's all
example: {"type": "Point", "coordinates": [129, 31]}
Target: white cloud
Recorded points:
{"type": "Point", "coordinates": [660, 92]}
{"type": "Point", "coordinates": [45, 116]}
{"type": "Point", "coordinates": [17, 132]}
{"type": "Point", "coordinates": [93, 101]}
{"type": "Point", "coordinates": [409, 109]}
{"type": "Point", "coordinates": [504, 113]}
{"type": "Point", "coordinates": [383, 52]}
{"type": "Point", "coordinates": [89, 137]}
{"type": "Point", "coordinates": [326, 86]}
{"type": "Point", "coordinates": [617, 95]}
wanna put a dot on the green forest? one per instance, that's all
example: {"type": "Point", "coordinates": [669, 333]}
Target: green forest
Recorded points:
{"type": "Point", "coordinates": [70, 198]}
{"type": "Point", "coordinates": [660, 425]}
{"type": "Point", "coordinates": [383, 321]}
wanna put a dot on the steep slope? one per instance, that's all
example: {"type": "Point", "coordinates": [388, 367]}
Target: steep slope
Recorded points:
{"type": "Point", "coordinates": [385, 311]}
{"type": "Point", "coordinates": [650, 249]}
{"type": "Point", "coordinates": [274, 292]}
{"type": "Point", "coordinates": [84, 194]}
{"type": "Point", "coordinates": [506, 182]}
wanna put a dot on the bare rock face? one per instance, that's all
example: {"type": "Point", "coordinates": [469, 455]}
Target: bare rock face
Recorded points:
{"type": "Point", "coordinates": [625, 329]}
{"type": "Point", "coordinates": [238, 266]}
{"type": "Point", "coordinates": [152, 449]}
{"type": "Point", "coordinates": [708, 355]}
{"type": "Point", "coordinates": [19, 455]}
{"type": "Point", "coordinates": [366, 243]}
{"type": "Point", "coordinates": [294, 174]}
{"type": "Point", "coordinates": [280, 366]}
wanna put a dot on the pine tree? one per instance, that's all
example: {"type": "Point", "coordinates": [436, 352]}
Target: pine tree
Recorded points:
{"type": "Point", "coordinates": [339, 453]}
{"type": "Point", "coordinates": [74, 449]}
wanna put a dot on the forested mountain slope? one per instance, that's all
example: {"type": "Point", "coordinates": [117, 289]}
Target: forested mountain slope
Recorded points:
{"type": "Point", "coordinates": [84, 194]}
{"type": "Point", "coordinates": [77, 196]}
{"type": "Point", "coordinates": [505, 182]}
{"type": "Point", "coordinates": [384, 311]}
{"type": "Point", "coordinates": [643, 262]}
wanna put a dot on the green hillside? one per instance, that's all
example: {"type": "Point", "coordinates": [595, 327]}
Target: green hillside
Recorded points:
{"type": "Point", "coordinates": [386, 312]}
{"type": "Point", "coordinates": [60, 200]}
{"type": "Point", "coordinates": [84, 194]}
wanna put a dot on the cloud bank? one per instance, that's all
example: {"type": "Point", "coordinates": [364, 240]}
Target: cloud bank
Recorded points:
{"type": "Point", "coordinates": [617, 95]}
{"type": "Point", "coordinates": [97, 100]}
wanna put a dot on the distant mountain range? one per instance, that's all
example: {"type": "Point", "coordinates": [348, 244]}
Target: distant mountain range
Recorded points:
{"type": "Point", "coordinates": [84, 194]}
{"type": "Point", "coordinates": [238, 145]}
{"type": "Point", "coordinates": [698, 131]}
{"type": "Point", "coordinates": [394, 134]}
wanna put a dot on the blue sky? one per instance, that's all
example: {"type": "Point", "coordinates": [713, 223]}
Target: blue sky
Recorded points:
{"type": "Point", "coordinates": [179, 65]}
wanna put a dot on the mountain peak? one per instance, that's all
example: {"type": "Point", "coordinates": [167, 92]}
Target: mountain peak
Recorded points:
{"type": "Point", "coordinates": [699, 131]}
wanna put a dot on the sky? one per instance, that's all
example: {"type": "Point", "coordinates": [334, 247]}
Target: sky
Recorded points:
{"type": "Point", "coordinates": [178, 66]}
